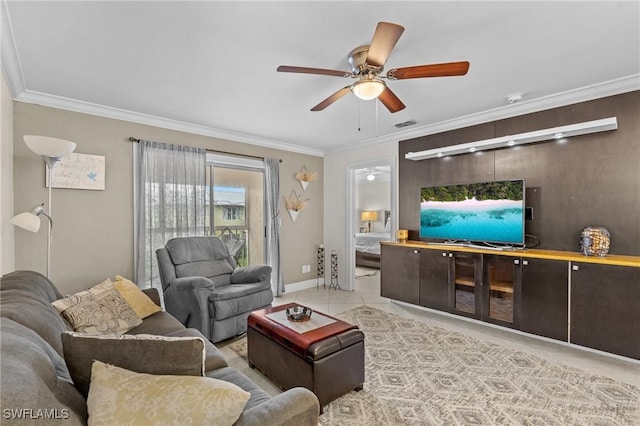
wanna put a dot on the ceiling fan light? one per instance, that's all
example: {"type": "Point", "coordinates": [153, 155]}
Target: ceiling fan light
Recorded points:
{"type": "Point", "coordinates": [368, 89]}
{"type": "Point", "coordinates": [371, 177]}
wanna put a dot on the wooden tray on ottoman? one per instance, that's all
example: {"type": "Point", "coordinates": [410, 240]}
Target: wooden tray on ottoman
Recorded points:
{"type": "Point", "coordinates": [328, 360]}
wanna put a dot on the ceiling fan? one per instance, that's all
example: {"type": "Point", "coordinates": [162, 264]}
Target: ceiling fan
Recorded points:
{"type": "Point", "coordinates": [367, 64]}
{"type": "Point", "coordinates": [370, 173]}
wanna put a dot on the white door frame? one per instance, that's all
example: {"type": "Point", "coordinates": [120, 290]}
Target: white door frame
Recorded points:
{"type": "Point", "coordinates": [351, 213]}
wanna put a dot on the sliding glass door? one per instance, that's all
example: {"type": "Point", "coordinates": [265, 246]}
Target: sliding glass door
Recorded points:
{"type": "Point", "coordinates": [235, 206]}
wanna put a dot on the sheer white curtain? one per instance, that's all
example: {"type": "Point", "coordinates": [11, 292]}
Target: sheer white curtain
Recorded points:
{"type": "Point", "coordinates": [272, 218]}
{"type": "Point", "coordinates": [170, 192]}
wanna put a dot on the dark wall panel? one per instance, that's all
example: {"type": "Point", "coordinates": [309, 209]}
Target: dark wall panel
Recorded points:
{"type": "Point", "coordinates": [590, 180]}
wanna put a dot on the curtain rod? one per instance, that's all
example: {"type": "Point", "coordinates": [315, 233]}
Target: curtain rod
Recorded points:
{"type": "Point", "coordinates": [136, 140]}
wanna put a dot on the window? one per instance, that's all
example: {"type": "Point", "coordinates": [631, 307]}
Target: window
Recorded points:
{"type": "Point", "coordinates": [235, 206]}
{"type": "Point", "coordinates": [233, 213]}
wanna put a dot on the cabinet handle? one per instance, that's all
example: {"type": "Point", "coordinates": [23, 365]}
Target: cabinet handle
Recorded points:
{"type": "Point", "coordinates": [516, 262]}
{"type": "Point", "coordinates": [575, 268]}
{"type": "Point", "coordinates": [444, 254]}
{"type": "Point", "coordinates": [416, 251]}
{"type": "Point", "coordinates": [450, 254]}
{"type": "Point", "coordinates": [525, 262]}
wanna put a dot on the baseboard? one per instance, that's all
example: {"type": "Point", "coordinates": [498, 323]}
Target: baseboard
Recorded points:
{"type": "Point", "coordinates": [302, 285]}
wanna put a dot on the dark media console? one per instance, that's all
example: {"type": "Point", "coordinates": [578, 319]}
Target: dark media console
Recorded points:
{"type": "Point", "coordinates": [583, 300]}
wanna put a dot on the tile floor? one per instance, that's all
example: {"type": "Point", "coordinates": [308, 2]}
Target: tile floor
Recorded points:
{"type": "Point", "coordinates": [367, 292]}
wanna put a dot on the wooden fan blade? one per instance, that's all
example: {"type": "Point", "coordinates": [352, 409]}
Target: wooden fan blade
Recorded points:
{"type": "Point", "coordinates": [434, 70]}
{"type": "Point", "coordinates": [383, 42]}
{"type": "Point", "coordinates": [331, 99]}
{"type": "Point", "coordinates": [320, 71]}
{"type": "Point", "coordinates": [391, 101]}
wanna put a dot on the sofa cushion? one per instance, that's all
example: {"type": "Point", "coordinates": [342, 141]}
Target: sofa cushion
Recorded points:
{"type": "Point", "coordinates": [234, 291]}
{"type": "Point", "coordinates": [195, 249]}
{"type": "Point", "coordinates": [231, 375]}
{"type": "Point", "coordinates": [223, 306]}
{"type": "Point", "coordinates": [34, 377]}
{"type": "Point", "coordinates": [201, 257]}
{"type": "Point", "coordinates": [19, 305]}
{"type": "Point", "coordinates": [213, 357]}
{"type": "Point", "coordinates": [35, 282]}
{"type": "Point", "coordinates": [120, 396]}
{"type": "Point", "coordinates": [142, 353]}
{"type": "Point", "coordinates": [141, 304]}
{"type": "Point", "coordinates": [99, 310]}
{"type": "Point", "coordinates": [161, 323]}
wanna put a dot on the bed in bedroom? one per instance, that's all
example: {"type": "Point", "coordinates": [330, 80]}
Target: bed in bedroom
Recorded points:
{"type": "Point", "coordinates": [368, 248]}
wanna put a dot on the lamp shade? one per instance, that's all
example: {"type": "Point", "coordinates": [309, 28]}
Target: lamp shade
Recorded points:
{"type": "Point", "coordinates": [369, 215]}
{"type": "Point", "coordinates": [49, 147]}
{"type": "Point", "coordinates": [368, 89]}
{"type": "Point", "coordinates": [27, 220]}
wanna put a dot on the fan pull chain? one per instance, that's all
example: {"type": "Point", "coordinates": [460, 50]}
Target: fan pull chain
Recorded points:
{"type": "Point", "coordinates": [359, 107]}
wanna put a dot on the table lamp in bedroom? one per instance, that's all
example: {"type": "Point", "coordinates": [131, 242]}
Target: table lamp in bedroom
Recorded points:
{"type": "Point", "coordinates": [368, 216]}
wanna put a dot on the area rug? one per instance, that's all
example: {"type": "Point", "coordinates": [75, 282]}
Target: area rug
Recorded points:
{"type": "Point", "coordinates": [418, 374]}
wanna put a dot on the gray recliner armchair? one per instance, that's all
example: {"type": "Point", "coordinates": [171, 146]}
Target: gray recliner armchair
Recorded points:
{"type": "Point", "coordinates": [205, 289]}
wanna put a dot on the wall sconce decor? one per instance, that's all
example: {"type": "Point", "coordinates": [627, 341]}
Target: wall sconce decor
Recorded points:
{"type": "Point", "coordinates": [295, 205]}
{"type": "Point", "coordinates": [305, 177]}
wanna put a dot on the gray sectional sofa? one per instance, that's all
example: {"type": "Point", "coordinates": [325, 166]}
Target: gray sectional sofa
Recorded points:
{"type": "Point", "coordinates": [36, 383]}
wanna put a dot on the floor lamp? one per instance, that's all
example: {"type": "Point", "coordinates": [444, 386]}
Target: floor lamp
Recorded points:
{"type": "Point", "coordinates": [51, 150]}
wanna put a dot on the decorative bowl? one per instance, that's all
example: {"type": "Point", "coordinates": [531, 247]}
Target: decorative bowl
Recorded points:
{"type": "Point", "coordinates": [298, 313]}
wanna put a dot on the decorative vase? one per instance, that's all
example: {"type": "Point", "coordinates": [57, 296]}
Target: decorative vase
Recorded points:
{"type": "Point", "coordinates": [595, 241]}
{"type": "Point", "coordinates": [403, 235]}
{"type": "Point", "coordinates": [304, 184]}
{"type": "Point", "coordinates": [294, 214]}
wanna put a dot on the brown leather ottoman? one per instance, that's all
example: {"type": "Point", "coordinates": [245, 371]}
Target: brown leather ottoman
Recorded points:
{"type": "Point", "coordinates": [331, 364]}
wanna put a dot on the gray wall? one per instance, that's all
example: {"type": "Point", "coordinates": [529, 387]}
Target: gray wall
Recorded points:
{"type": "Point", "coordinates": [588, 180]}
{"type": "Point", "coordinates": [93, 230]}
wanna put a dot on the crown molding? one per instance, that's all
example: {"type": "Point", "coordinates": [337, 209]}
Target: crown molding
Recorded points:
{"type": "Point", "coordinates": [583, 94]}
{"type": "Point", "coordinates": [30, 96]}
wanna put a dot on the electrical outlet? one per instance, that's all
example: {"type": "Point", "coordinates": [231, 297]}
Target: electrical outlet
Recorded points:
{"type": "Point", "coordinates": [306, 269]}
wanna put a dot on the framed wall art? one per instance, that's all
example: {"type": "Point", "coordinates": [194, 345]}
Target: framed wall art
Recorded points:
{"type": "Point", "coordinates": [79, 171]}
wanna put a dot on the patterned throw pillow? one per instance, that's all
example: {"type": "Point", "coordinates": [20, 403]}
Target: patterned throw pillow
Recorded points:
{"type": "Point", "coordinates": [99, 310]}
{"type": "Point", "coordinates": [118, 396]}
{"type": "Point", "coordinates": [139, 302]}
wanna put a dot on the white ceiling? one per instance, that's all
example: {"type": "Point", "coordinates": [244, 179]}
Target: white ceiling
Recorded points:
{"type": "Point", "coordinates": [210, 67]}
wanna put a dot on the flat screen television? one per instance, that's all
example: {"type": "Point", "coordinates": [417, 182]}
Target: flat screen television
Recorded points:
{"type": "Point", "coordinates": [485, 212]}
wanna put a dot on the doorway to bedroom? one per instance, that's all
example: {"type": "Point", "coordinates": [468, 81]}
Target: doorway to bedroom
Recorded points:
{"type": "Point", "coordinates": [371, 215]}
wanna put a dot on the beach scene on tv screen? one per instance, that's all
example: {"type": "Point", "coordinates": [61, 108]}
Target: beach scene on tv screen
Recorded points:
{"type": "Point", "coordinates": [490, 211]}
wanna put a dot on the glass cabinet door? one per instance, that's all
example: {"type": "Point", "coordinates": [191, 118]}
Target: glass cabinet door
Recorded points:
{"type": "Point", "coordinates": [467, 278]}
{"type": "Point", "coordinates": [499, 279]}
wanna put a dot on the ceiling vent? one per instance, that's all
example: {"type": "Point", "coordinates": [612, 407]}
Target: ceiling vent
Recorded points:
{"type": "Point", "coordinates": [406, 124]}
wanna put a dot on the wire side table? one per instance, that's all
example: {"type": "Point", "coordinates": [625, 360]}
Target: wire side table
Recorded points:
{"type": "Point", "coordinates": [334, 271]}
{"type": "Point", "coordinates": [320, 266]}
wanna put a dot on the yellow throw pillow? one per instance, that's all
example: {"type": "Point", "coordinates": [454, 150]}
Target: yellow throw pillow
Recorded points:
{"type": "Point", "coordinates": [142, 305]}
{"type": "Point", "coordinates": [118, 396]}
{"type": "Point", "coordinates": [99, 310]}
